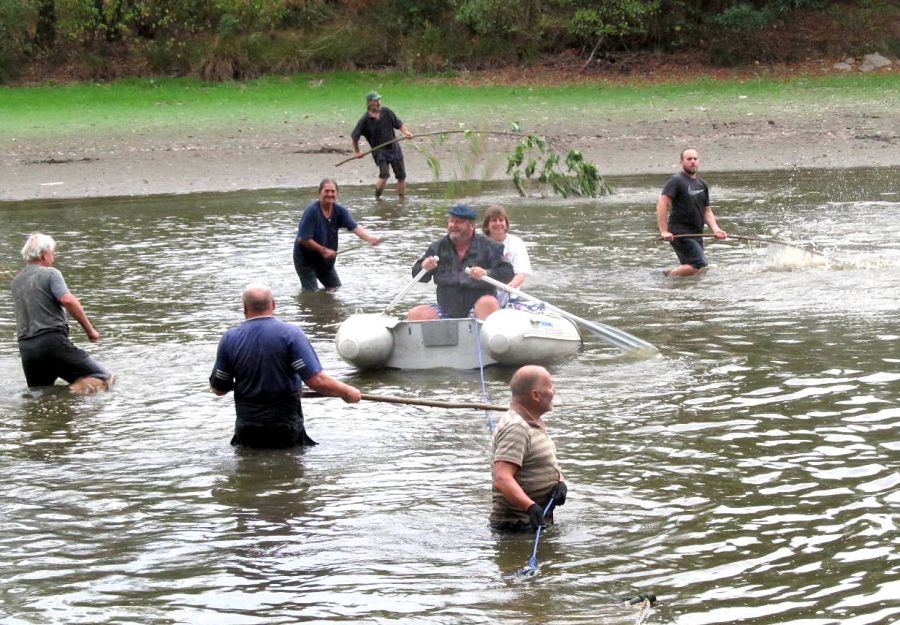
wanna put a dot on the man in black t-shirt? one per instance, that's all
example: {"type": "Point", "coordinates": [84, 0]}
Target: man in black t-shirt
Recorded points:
{"type": "Point", "coordinates": [682, 209]}
{"type": "Point", "coordinates": [377, 126]}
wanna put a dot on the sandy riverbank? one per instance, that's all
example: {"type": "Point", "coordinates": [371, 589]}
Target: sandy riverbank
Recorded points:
{"type": "Point", "coordinates": [143, 162]}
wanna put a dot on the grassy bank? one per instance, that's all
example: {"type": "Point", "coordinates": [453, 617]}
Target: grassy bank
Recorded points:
{"type": "Point", "coordinates": [337, 99]}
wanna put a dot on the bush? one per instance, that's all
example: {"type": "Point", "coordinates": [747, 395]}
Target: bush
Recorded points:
{"type": "Point", "coordinates": [743, 18]}
{"type": "Point", "coordinates": [736, 38]}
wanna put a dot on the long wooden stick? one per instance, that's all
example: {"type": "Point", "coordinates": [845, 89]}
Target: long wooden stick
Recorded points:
{"type": "Point", "coordinates": [350, 248]}
{"type": "Point", "coordinates": [740, 237]}
{"type": "Point", "coordinates": [415, 401]}
{"type": "Point", "coordinates": [432, 134]}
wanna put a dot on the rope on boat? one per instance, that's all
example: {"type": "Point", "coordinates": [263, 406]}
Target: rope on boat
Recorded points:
{"type": "Point", "coordinates": [484, 394]}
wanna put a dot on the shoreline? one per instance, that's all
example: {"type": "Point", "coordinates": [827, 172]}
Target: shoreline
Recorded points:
{"type": "Point", "coordinates": [145, 161]}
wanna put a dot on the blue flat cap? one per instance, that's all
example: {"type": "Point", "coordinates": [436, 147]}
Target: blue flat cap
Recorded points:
{"type": "Point", "coordinates": [463, 210]}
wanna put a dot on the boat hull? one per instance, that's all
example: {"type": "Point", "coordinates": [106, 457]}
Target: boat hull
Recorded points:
{"type": "Point", "coordinates": [510, 337]}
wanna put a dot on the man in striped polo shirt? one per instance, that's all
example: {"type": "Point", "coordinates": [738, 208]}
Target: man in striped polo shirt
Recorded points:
{"type": "Point", "coordinates": [526, 472]}
{"type": "Point", "coordinates": [263, 360]}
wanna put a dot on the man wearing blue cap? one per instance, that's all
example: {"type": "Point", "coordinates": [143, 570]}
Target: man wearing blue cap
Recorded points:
{"type": "Point", "coordinates": [377, 126]}
{"type": "Point", "coordinates": [461, 293]}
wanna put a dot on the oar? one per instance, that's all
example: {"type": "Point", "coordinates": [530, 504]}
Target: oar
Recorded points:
{"type": "Point", "coordinates": [404, 291]}
{"type": "Point", "coordinates": [415, 401]}
{"type": "Point", "coordinates": [531, 568]}
{"type": "Point", "coordinates": [621, 339]}
{"type": "Point", "coordinates": [740, 237]}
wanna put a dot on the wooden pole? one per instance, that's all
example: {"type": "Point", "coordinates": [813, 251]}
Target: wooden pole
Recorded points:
{"type": "Point", "coordinates": [740, 237]}
{"type": "Point", "coordinates": [432, 134]}
{"type": "Point", "coordinates": [415, 401]}
{"type": "Point", "coordinates": [350, 248]}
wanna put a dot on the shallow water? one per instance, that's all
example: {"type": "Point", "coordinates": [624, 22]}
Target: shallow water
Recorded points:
{"type": "Point", "coordinates": [749, 474]}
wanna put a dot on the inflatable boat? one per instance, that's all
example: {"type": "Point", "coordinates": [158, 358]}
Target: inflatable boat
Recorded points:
{"type": "Point", "coordinates": [509, 336]}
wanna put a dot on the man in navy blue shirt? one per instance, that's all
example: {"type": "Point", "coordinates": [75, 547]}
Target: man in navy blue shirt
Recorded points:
{"type": "Point", "coordinates": [315, 248]}
{"type": "Point", "coordinates": [682, 209]}
{"type": "Point", "coordinates": [377, 126]}
{"type": "Point", "coordinates": [263, 360]}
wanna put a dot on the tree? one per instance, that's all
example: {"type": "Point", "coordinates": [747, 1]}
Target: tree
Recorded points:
{"type": "Point", "coordinates": [599, 22]}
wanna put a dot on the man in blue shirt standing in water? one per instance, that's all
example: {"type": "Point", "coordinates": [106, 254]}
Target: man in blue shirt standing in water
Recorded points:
{"type": "Point", "coordinates": [683, 207]}
{"type": "Point", "coordinates": [263, 360]}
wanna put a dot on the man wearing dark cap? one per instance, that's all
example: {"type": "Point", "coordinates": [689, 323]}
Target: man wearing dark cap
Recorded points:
{"type": "Point", "coordinates": [461, 293]}
{"type": "Point", "coordinates": [377, 126]}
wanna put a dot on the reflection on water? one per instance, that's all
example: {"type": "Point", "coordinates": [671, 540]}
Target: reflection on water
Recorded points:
{"type": "Point", "coordinates": [749, 474]}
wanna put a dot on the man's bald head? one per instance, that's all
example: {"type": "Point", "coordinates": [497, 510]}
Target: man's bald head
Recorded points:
{"type": "Point", "coordinates": [527, 379]}
{"type": "Point", "coordinates": [532, 390]}
{"type": "Point", "coordinates": [258, 300]}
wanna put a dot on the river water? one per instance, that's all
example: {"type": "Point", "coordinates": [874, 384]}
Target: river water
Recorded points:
{"type": "Point", "coordinates": [748, 474]}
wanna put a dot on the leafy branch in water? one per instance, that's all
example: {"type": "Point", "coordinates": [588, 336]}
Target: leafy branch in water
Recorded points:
{"type": "Point", "coordinates": [535, 160]}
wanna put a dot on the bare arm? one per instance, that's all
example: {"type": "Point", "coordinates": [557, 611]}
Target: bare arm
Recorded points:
{"type": "Point", "coordinates": [710, 220]}
{"type": "Point", "coordinates": [323, 383]}
{"type": "Point", "coordinates": [406, 131]}
{"type": "Point", "coordinates": [663, 204]}
{"type": "Point", "coordinates": [356, 149]}
{"type": "Point", "coordinates": [74, 307]}
{"type": "Point", "coordinates": [217, 391]}
{"type": "Point", "coordinates": [317, 247]}
{"type": "Point", "coordinates": [505, 482]}
{"type": "Point", "coordinates": [365, 235]}
{"type": "Point", "coordinates": [517, 280]}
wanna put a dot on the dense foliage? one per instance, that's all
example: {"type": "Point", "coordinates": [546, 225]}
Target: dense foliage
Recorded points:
{"type": "Point", "coordinates": [234, 39]}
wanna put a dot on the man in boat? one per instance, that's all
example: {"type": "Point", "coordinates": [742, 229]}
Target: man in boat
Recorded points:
{"type": "Point", "coordinates": [42, 299]}
{"type": "Point", "coordinates": [315, 248]}
{"type": "Point", "coordinates": [682, 209]}
{"type": "Point", "coordinates": [526, 473]}
{"type": "Point", "coordinates": [377, 126]}
{"type": "Point", "coordinates": [263, 360]}
{"type": "Point", "coordinates": [461, 293]}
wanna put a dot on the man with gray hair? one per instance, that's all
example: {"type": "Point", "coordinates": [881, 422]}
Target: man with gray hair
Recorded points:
{"type": "Point", "coordinates": [526, 474]}
{"type": "Point", "coordinates": [41, 300]}
{"type": "Point", "coordinates": [263, 360]}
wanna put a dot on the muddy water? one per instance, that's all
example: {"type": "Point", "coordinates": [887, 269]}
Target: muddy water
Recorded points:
{"type": "Point", "coordinates": [749, 474]}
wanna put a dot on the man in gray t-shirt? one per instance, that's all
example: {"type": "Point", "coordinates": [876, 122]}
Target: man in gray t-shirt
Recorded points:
{"type": "Point", "coordinates": [41, 300]}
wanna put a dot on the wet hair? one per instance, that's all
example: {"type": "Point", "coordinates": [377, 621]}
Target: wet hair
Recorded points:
{"type": "Point", "coordinates": [36, 245]}
{"type": "Point", "coordinates": [681, 156]}
{"type": "Point", "coordinates": [326, 181]}
{"type": "Point", "coordinates": [525, 380]}
{"type": "Point", "coordinates": [494, 210]}
{"type": "Point", "coordinates": [258, 298]}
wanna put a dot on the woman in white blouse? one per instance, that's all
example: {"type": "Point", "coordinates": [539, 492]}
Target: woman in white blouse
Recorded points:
{"type": "Point", "coordinates": [496, 226]}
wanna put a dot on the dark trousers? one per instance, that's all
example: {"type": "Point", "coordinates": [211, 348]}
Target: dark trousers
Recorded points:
{"type": "Point", "coordinates": [52, 355]}
{"type": "Point", "coordinates": [310, 275]}
{"type": "Point", "coordinates": [274, 422]}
